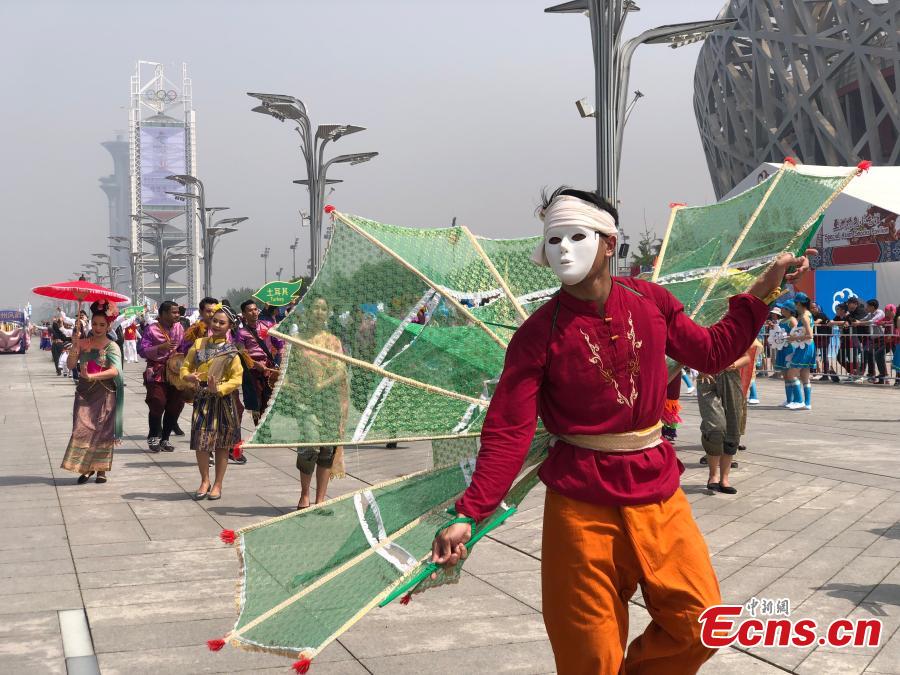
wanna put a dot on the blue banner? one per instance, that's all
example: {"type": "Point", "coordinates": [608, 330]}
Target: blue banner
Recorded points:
{"type": "Point", "coordinates": [835, 286]}
{"type": "Point", "coordinates": [12, 315]}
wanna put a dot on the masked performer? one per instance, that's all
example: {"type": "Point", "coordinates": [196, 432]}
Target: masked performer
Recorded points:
{"type": "Point", "coordinates": [591, 363]}
{"type": "Point", "coordinates": [214, 366]}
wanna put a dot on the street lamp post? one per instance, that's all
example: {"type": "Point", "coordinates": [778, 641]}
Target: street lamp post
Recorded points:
{"type": "Point", "coordinates": [92, 268]}
{"type": "Point", "coordinates": [213, 233]}
{"type": "Point", "coordinates": [114, 274]}
{"type": "Point", "coordinates": [612, 67]}
{"type": "Point", "coordinates": [119, 243]}
{"type": "Point", "coordinates": [265, 256]}
{"type": "Point", "coordinates": [293, 248]}
{"type": "Point", "coordinates": [190, 181]}
{"type": "Point", "coordinates": [278, 273]}
{"type": "Point", "coordinates": [164, 255]}
{"type": "Point", "coordinates": [103, 259]}
{"type": "Point", "coordinates": [312, 146]}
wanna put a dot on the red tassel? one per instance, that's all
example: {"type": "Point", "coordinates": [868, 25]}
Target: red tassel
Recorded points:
{"type": "Point", "coordinates": [670, 414]}
{"type": "Point", "coordinates": [790, 160]}
{"type": "Point", "coordinates": [405, 599]}
{"type": "Point", "coordinates": [672, 205]}
{"type": "Point", "coordinates": [328, 209]}
{"type": "Point", "coordinates": [302, 666]}
{"type": "Point", "coordinates": [215, 645]}
{"type": "Point", "coordinates": [864, 165]}
{"type": "Point", "coordinates": [237, 450]}
{"type": "Point", "coordinates": [227, 536]}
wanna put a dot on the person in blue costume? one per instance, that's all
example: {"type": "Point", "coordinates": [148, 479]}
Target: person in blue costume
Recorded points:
{"type": "Point", "coordinates": [784, 355]}
{"type": "Point", "coordinates": [803, 358]}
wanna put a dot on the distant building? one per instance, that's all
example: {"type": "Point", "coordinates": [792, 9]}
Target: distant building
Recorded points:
{"type": "Point", "coordinates": [161, 144]}
{"type": "Point", "coordinates": [117, 187]}
{"type": "Point", "coordinates": [811, 79]}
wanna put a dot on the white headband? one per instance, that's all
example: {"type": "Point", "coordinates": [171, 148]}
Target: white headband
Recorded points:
{"type": "Point", "coordinates": [569, 211]}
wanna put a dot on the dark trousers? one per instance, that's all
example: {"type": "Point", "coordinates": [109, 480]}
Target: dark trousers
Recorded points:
{"type": "Point", "coordinates": [256, 390]}
{"type": "Point", "coordinates": [848, 354]}
{"type": "Point", "coordinates": [56, 350]}
{"type": "Point", "coordinates": [165, 403]}
{"type": "Point", "coordinates": [822, 344]}
{"type": "Point", "coordinates": [874, 357]}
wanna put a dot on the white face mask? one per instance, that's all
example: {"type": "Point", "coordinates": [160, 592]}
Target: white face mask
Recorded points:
{"type": "Point", "coordinates": [571, 251]}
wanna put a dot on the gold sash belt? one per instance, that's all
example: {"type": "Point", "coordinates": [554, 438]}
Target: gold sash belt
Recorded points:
{"type": "Point", "coordinates": [623, 442]}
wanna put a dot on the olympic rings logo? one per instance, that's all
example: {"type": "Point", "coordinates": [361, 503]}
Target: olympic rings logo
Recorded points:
{"type": "Point", "coordinates": [161, 95]}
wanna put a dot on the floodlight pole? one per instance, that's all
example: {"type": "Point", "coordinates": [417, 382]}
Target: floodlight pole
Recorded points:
{"type": "Point", "coordinates": [612, 67]}
{"type": "Point", "coordinates": [312, 145]}
{"type": "Point", "coordinates": [293, 248]}
{"type": "Point", "coordinates": [265, 256]}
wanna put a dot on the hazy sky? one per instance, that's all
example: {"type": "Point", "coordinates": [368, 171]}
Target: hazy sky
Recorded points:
{"type": "Point", "coordinates": [471, 105]}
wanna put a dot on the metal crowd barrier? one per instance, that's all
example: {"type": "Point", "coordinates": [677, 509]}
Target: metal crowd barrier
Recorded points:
{"type": "Point", "coordinates": [843, 356]}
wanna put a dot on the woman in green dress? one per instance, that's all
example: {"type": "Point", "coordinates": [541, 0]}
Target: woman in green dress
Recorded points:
{"type": "Point", "coordinates": [97, 414]}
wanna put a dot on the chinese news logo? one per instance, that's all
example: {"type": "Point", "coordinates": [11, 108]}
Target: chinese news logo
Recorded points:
{"type": "Point", "coordinates": [769, 625]}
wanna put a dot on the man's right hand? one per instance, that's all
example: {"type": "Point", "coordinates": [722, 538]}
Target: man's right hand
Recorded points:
{"type": "Point", "coordinates": [163, 347]}
{"type": "Point", "coordinates": [449, 546]}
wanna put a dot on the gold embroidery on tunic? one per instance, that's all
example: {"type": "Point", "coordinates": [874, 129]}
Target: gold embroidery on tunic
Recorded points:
{"type": "Point", "coordinates": [608, 375]}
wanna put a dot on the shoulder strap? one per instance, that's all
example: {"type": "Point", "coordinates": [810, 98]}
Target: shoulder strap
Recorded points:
{"type": "Point", "coordinates": [261, 343]}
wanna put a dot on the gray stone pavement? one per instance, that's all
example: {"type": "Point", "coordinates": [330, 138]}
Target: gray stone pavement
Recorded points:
{"type": "Point", "coordinates": [817, 520]}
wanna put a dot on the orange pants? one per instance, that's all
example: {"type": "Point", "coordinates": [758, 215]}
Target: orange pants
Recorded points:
{"type": "Point", "coordinates": [593, 559]}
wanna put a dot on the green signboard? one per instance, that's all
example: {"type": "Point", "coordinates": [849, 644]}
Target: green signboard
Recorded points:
{"type": "Point", "coordinates": [133, 310]}
{"type": "Point", "coordinates": [278, 293]}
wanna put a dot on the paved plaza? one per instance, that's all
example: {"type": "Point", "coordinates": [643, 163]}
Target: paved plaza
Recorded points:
{"type": "Point", "coordinates": [816, 520]}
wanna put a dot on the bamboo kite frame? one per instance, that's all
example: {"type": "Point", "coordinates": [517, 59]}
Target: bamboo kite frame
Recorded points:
{"type": "Point", "coordinates": [449, 298]}
{"type": "Point", "coordinates": [321, 581]}
{"type": "Point", "coordinates": [235, 636]}
{"type": "Point", "coordinates": [376, 369]}
{"type": "Point", "coordinates": [500, 280]}
{"type": "Point", "coordinates": [665, 243]}
{"type": "Point", "coordinates": [818, 213]}
{"type": "Point", "coordinates": [740, 240]}
{"type": "Point", "coordinates": [366, 441]}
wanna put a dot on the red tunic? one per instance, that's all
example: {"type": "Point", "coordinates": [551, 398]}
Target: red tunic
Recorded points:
{"type": "Point", "coordinates": [599, 374]}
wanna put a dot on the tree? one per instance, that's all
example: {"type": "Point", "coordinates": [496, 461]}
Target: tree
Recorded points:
{"type": "Point", "coordinates": [236, 296]}
{"type": "Point", "coordinates": [647, 249]}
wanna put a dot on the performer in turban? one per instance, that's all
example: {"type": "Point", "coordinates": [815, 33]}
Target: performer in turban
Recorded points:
{"type": "Point", "coordinates": [591, 363]}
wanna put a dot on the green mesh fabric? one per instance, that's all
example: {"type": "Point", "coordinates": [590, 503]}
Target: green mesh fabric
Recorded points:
{"type": "Point", "coordinates": [308, 576]}
{"type": "Point", "coordinates": [702, 236]}
{"type": "Point", "coordinates": [364, 304]}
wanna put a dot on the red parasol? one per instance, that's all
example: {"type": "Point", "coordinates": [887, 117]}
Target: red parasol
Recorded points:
{"type": "Point", "coordinates": [80, 291]}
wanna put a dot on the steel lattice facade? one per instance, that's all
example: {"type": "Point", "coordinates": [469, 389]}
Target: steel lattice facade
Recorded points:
{"type": "Point", "coordinates": [815, 80]}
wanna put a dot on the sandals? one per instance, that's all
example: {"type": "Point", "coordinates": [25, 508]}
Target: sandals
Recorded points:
{"type": "Point", "coordinates": [198, 495]}
{"type": "Point", "coordinates": [100, 479]}
{"type": "Point", "coordinates": [84, 478]}
{"type": "Point", "coordinates": [211, 497]}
